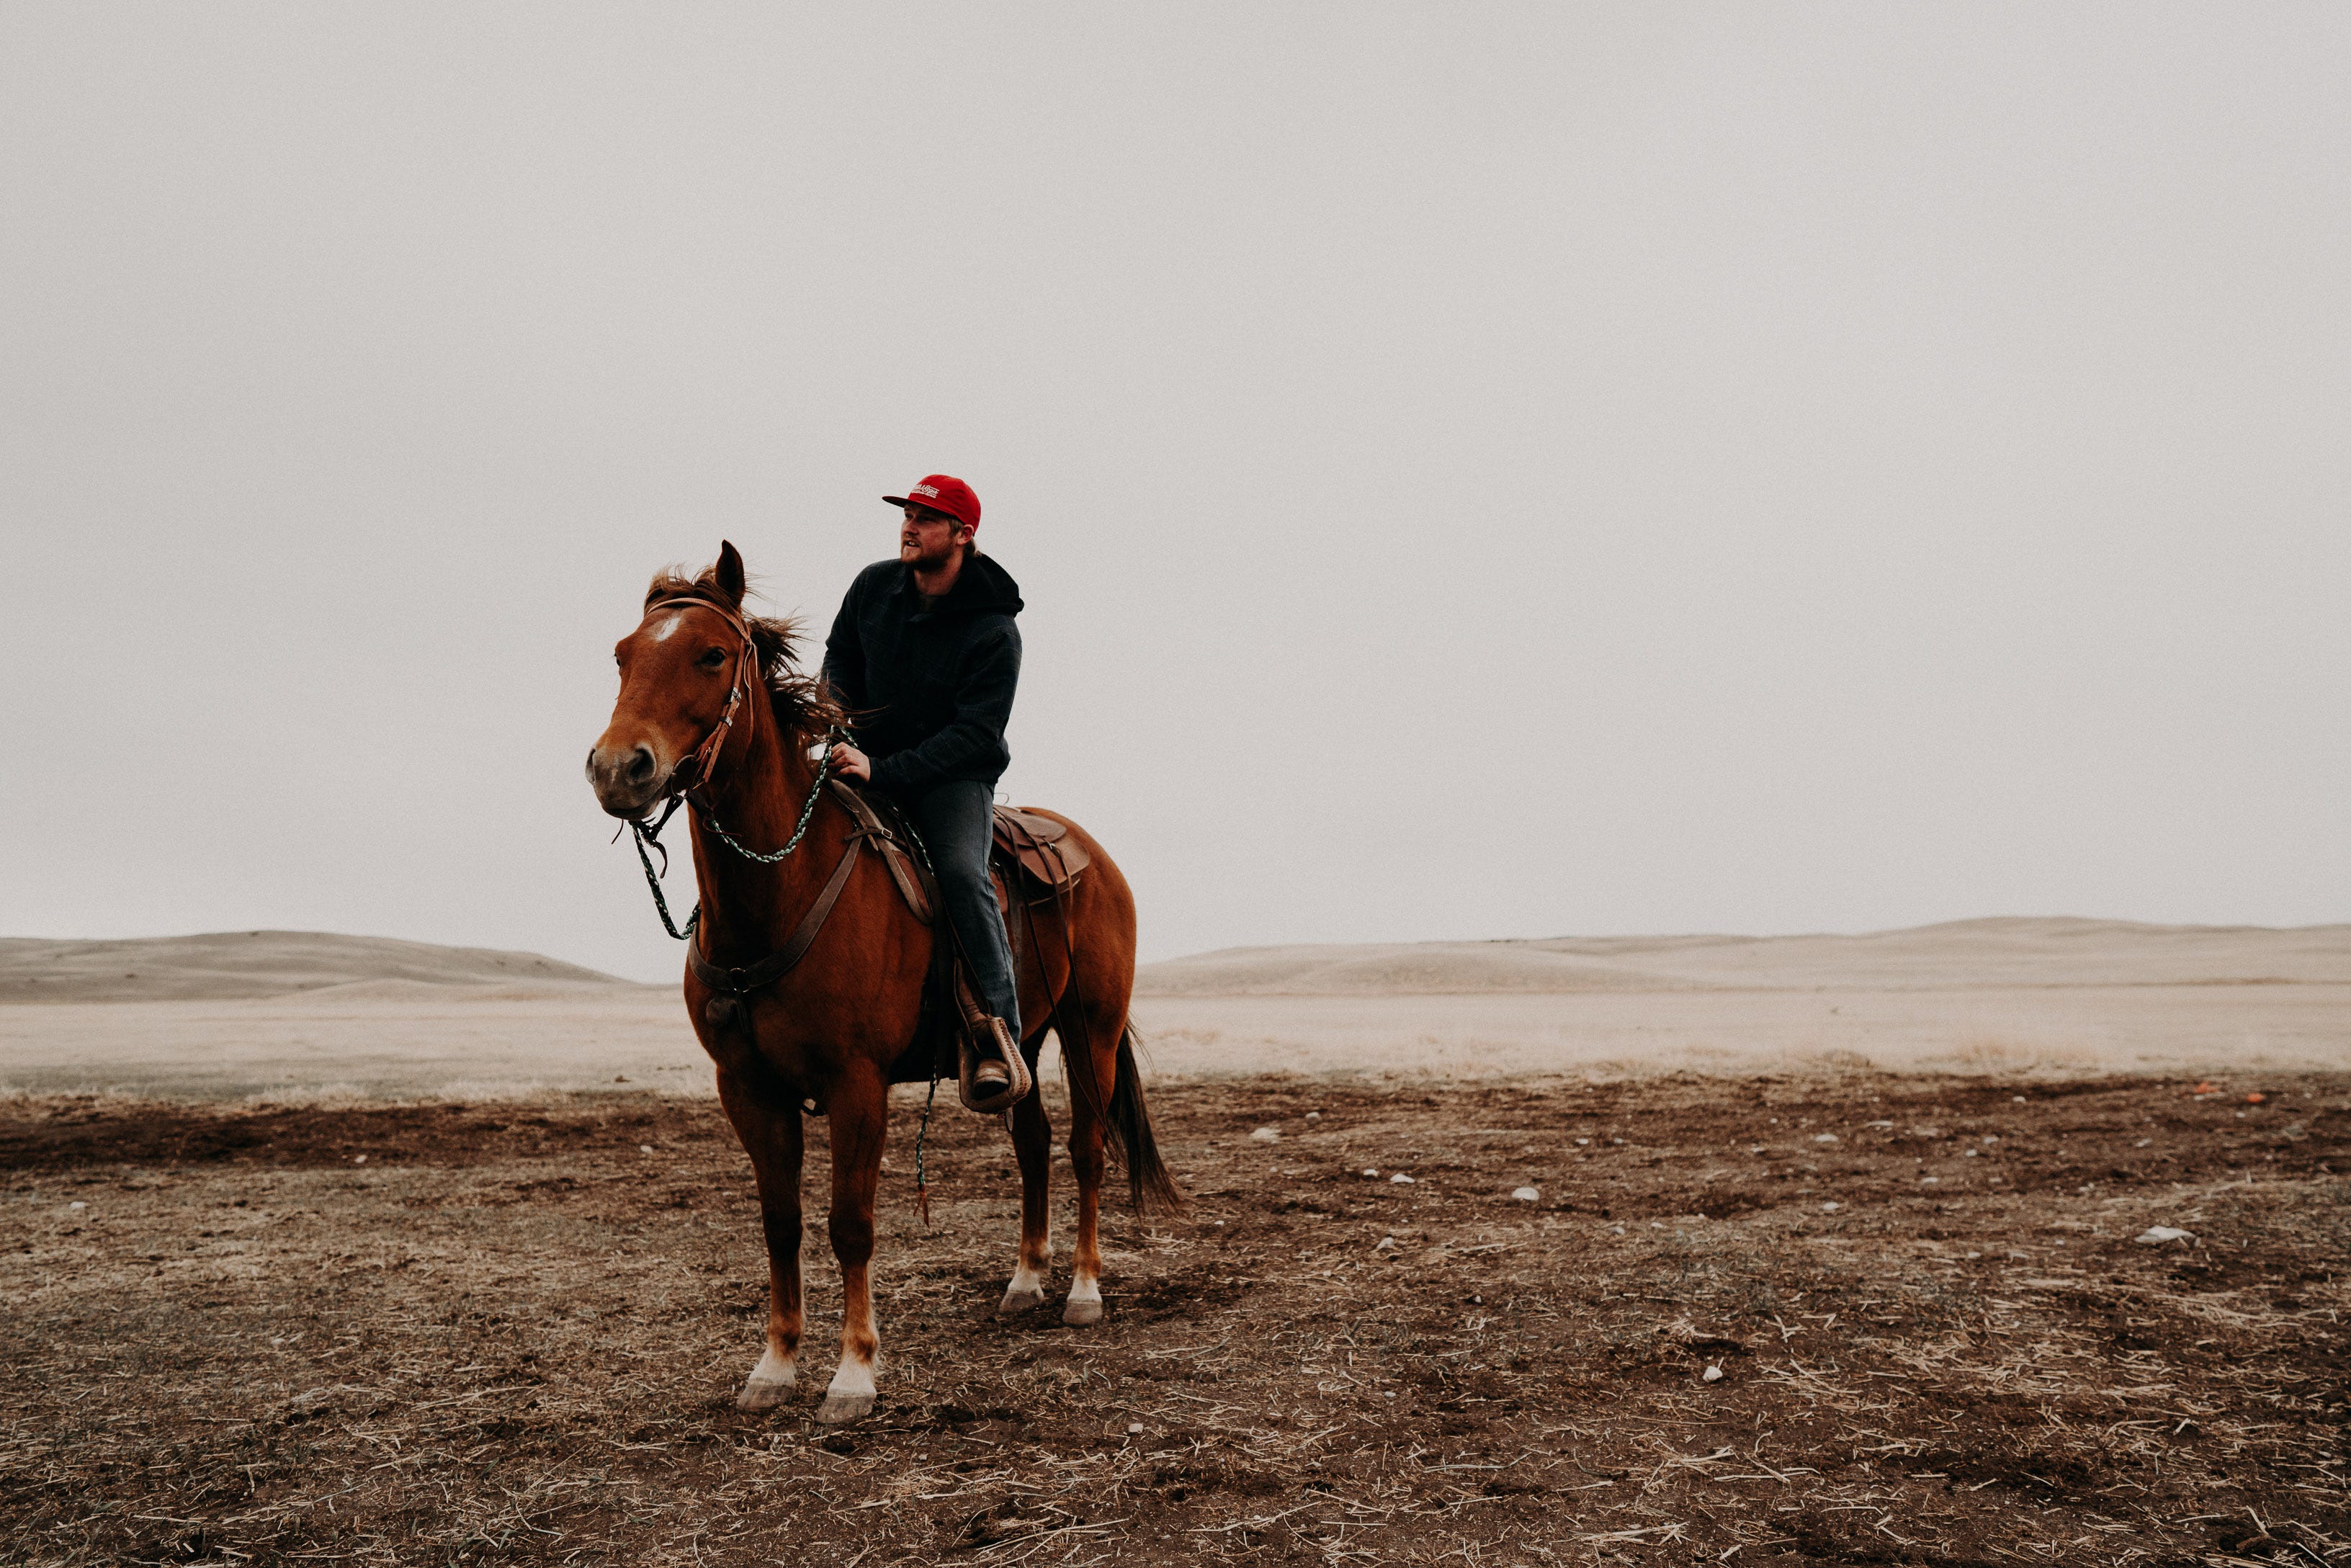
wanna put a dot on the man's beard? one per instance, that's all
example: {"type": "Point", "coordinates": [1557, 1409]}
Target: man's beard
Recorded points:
{"type": "Point", "coordinates": [921, 560]}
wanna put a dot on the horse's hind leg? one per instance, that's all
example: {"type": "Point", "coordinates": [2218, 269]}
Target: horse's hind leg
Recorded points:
{"type": "Point", "coordinates": [1093, 1073]}
{"type": "Point", "coordinates": [1032, 1146]}
{"type": "Point", "coordinates": [771, 1136]}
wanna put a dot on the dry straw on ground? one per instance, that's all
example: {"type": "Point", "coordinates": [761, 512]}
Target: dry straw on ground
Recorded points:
{"type": "Point", "coordinates": [511, 1334]}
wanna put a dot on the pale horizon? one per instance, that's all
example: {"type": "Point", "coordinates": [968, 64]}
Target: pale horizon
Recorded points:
{"type": "Point", "coordinates": [1932, 927]}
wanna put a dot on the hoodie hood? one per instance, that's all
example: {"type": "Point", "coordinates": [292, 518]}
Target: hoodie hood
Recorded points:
{"type": "Point", "coordinates": [981, 588]}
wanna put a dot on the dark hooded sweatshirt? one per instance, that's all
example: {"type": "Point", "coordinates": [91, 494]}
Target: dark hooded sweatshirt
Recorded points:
{"type": "Point", "coordinates": [929, 689]}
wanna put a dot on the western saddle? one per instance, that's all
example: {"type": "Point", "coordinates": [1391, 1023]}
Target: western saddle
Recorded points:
{"type": "Point", "coordinates": [1032, 859]}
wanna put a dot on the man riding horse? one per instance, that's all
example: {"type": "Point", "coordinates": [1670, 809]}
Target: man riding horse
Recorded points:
{"type": "Point", "coordinates": [924, 657]}
{"type": "Point", "coordinates": [713, 712]}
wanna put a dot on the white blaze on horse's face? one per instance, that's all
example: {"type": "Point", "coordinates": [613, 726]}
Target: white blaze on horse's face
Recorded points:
{"type": "Point", "coordinates": [674, 690]}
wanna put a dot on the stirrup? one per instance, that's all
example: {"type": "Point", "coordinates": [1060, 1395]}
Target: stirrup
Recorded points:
{"type": "Point", "coordinates": [1005, 1096]}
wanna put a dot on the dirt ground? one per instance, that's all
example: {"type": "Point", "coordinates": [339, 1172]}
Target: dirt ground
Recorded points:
{"type": "Point", "coordinates": [453, 1334]}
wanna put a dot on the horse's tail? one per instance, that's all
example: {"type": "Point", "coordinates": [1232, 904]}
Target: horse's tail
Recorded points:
{"type": "Point", "coordinates": [1148, 1181]}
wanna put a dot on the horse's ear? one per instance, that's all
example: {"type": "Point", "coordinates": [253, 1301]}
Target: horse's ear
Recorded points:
{"type": "Point", "coordinates": [730, 572]}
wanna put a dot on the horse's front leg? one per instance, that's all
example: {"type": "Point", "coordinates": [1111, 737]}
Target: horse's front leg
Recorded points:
{"type": "Point", "coordinates": [859, 1113]}
{"type": "Point", "coordinates": [771, 1136]}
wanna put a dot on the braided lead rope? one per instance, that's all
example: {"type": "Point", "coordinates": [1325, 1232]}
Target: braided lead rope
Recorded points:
{"type": "Point", "coordinates": [644, 837]}
{"type": "Point", "coordinates": [808, 810]}
{"type": "Point", "coordinates": [921, 1181]}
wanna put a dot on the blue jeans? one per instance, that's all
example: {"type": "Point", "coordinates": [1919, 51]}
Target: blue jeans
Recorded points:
{"type": "Point", "coordinates": [958, 822]}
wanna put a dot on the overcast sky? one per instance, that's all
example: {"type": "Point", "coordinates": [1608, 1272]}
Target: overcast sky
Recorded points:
{"type": "Point", "coordinates": [1475, 471]}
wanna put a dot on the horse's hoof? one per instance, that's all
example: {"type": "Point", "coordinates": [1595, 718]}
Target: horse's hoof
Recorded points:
{"type": "Point", "coordinates": [760, 1395]}
{"type": "Point", "coordinates": [840, 1409]}
{"type": "Point", "coordinates": [1019, 1302]}
{"type": "Point", "coordinates": [1079, 1314]}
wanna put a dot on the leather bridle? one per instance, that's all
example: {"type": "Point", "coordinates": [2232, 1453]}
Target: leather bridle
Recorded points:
{"type": "Point", "coordinates": [702, 761]}
{"type": "Point", "coordinates": [703, 758]}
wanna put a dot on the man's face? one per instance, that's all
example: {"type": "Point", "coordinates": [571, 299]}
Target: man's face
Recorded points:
{"type": "Point", "coordinates": [927, 538]}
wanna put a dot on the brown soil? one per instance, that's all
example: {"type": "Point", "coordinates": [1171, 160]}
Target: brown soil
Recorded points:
{"type": "Point", "coordinates": [513, 1334]}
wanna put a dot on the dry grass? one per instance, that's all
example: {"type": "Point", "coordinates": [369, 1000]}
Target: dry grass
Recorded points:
{"type": "Point", "coordinates": [511, 1335]}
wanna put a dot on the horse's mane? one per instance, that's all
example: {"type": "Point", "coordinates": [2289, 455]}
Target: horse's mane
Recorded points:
{"type": "Point", "coordinates": [799, 700]}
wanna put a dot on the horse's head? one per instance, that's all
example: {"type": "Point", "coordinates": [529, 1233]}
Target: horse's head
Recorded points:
{"type": "Point", "coordinates": [689, 675]}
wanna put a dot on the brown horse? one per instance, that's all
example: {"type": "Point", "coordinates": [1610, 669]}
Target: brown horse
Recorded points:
{"type": "Point", "coordinates": [828, 1031]}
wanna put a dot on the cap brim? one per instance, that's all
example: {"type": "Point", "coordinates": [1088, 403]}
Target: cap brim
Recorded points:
{"type": "Point", "coordinates": [893, 500]}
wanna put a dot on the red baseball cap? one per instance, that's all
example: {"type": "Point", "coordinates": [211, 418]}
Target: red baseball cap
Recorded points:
{"type": "Point", "coordinates": [942, 493]}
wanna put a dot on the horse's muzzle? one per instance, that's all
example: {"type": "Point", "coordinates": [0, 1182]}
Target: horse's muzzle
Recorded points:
{"type": "Point", "coordinates": [626, 780]}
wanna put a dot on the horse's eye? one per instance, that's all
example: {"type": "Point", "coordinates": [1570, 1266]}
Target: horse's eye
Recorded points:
{"type": "Point", "coordinates": [714, 658]}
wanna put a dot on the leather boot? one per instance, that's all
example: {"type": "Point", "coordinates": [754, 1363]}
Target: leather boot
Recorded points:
{"type": "Point", "coordinates": [997, 1080]}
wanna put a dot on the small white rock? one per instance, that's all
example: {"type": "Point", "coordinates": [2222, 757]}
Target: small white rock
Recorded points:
{"type": "Point", "coordinates": [1714, 1375]}
{"type": "Point", "coordinates": [1266, 1136]}
{"type": "Point", "coordinates": [1371, 1170]}
{"type": "Point", "coordinates": [1399, 1179]}
{"type": "Point", "coordinates": [1387, 1244]}
{"type": "Point", "coordinates": [1581, 1142]}
{"type": "Point", "coordinates": [1313, 1116]}
{"type": "Point", "coordinates": [1135, 1428]}
{"type": "Point", "coordinates": [1615, 1231]}
{"type": "Point", "coordinates": [1831, 1208]}
{"type": "Point", "coordinates": [76, 1205]}
{"type": "Point", "coordinates": [644, 1148]}
{"type": "Point", "coordinates": [361, 1161]}
{"type": "Point", "coordinates": [2157, 1235]}
{"type": "Point", "coordinates": [1824, 1137]}
{"type": "Point", "coordinates": [1528, 1194]}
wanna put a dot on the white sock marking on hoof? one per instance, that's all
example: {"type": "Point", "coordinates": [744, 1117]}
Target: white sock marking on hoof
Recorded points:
{"type": "Point", "coordinates": [1085, 1303]}
{"type": "Point", "coordinates": [852, 1377]}
{"type": "Point", "coordinates": [850, 1395]}
{"type": "Point", "coordinates": [1027, 1290]}
{"type": "Point", "coordinates": [770, 1382]}
{"type": "Point", "coordinates": [774, 1368]}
